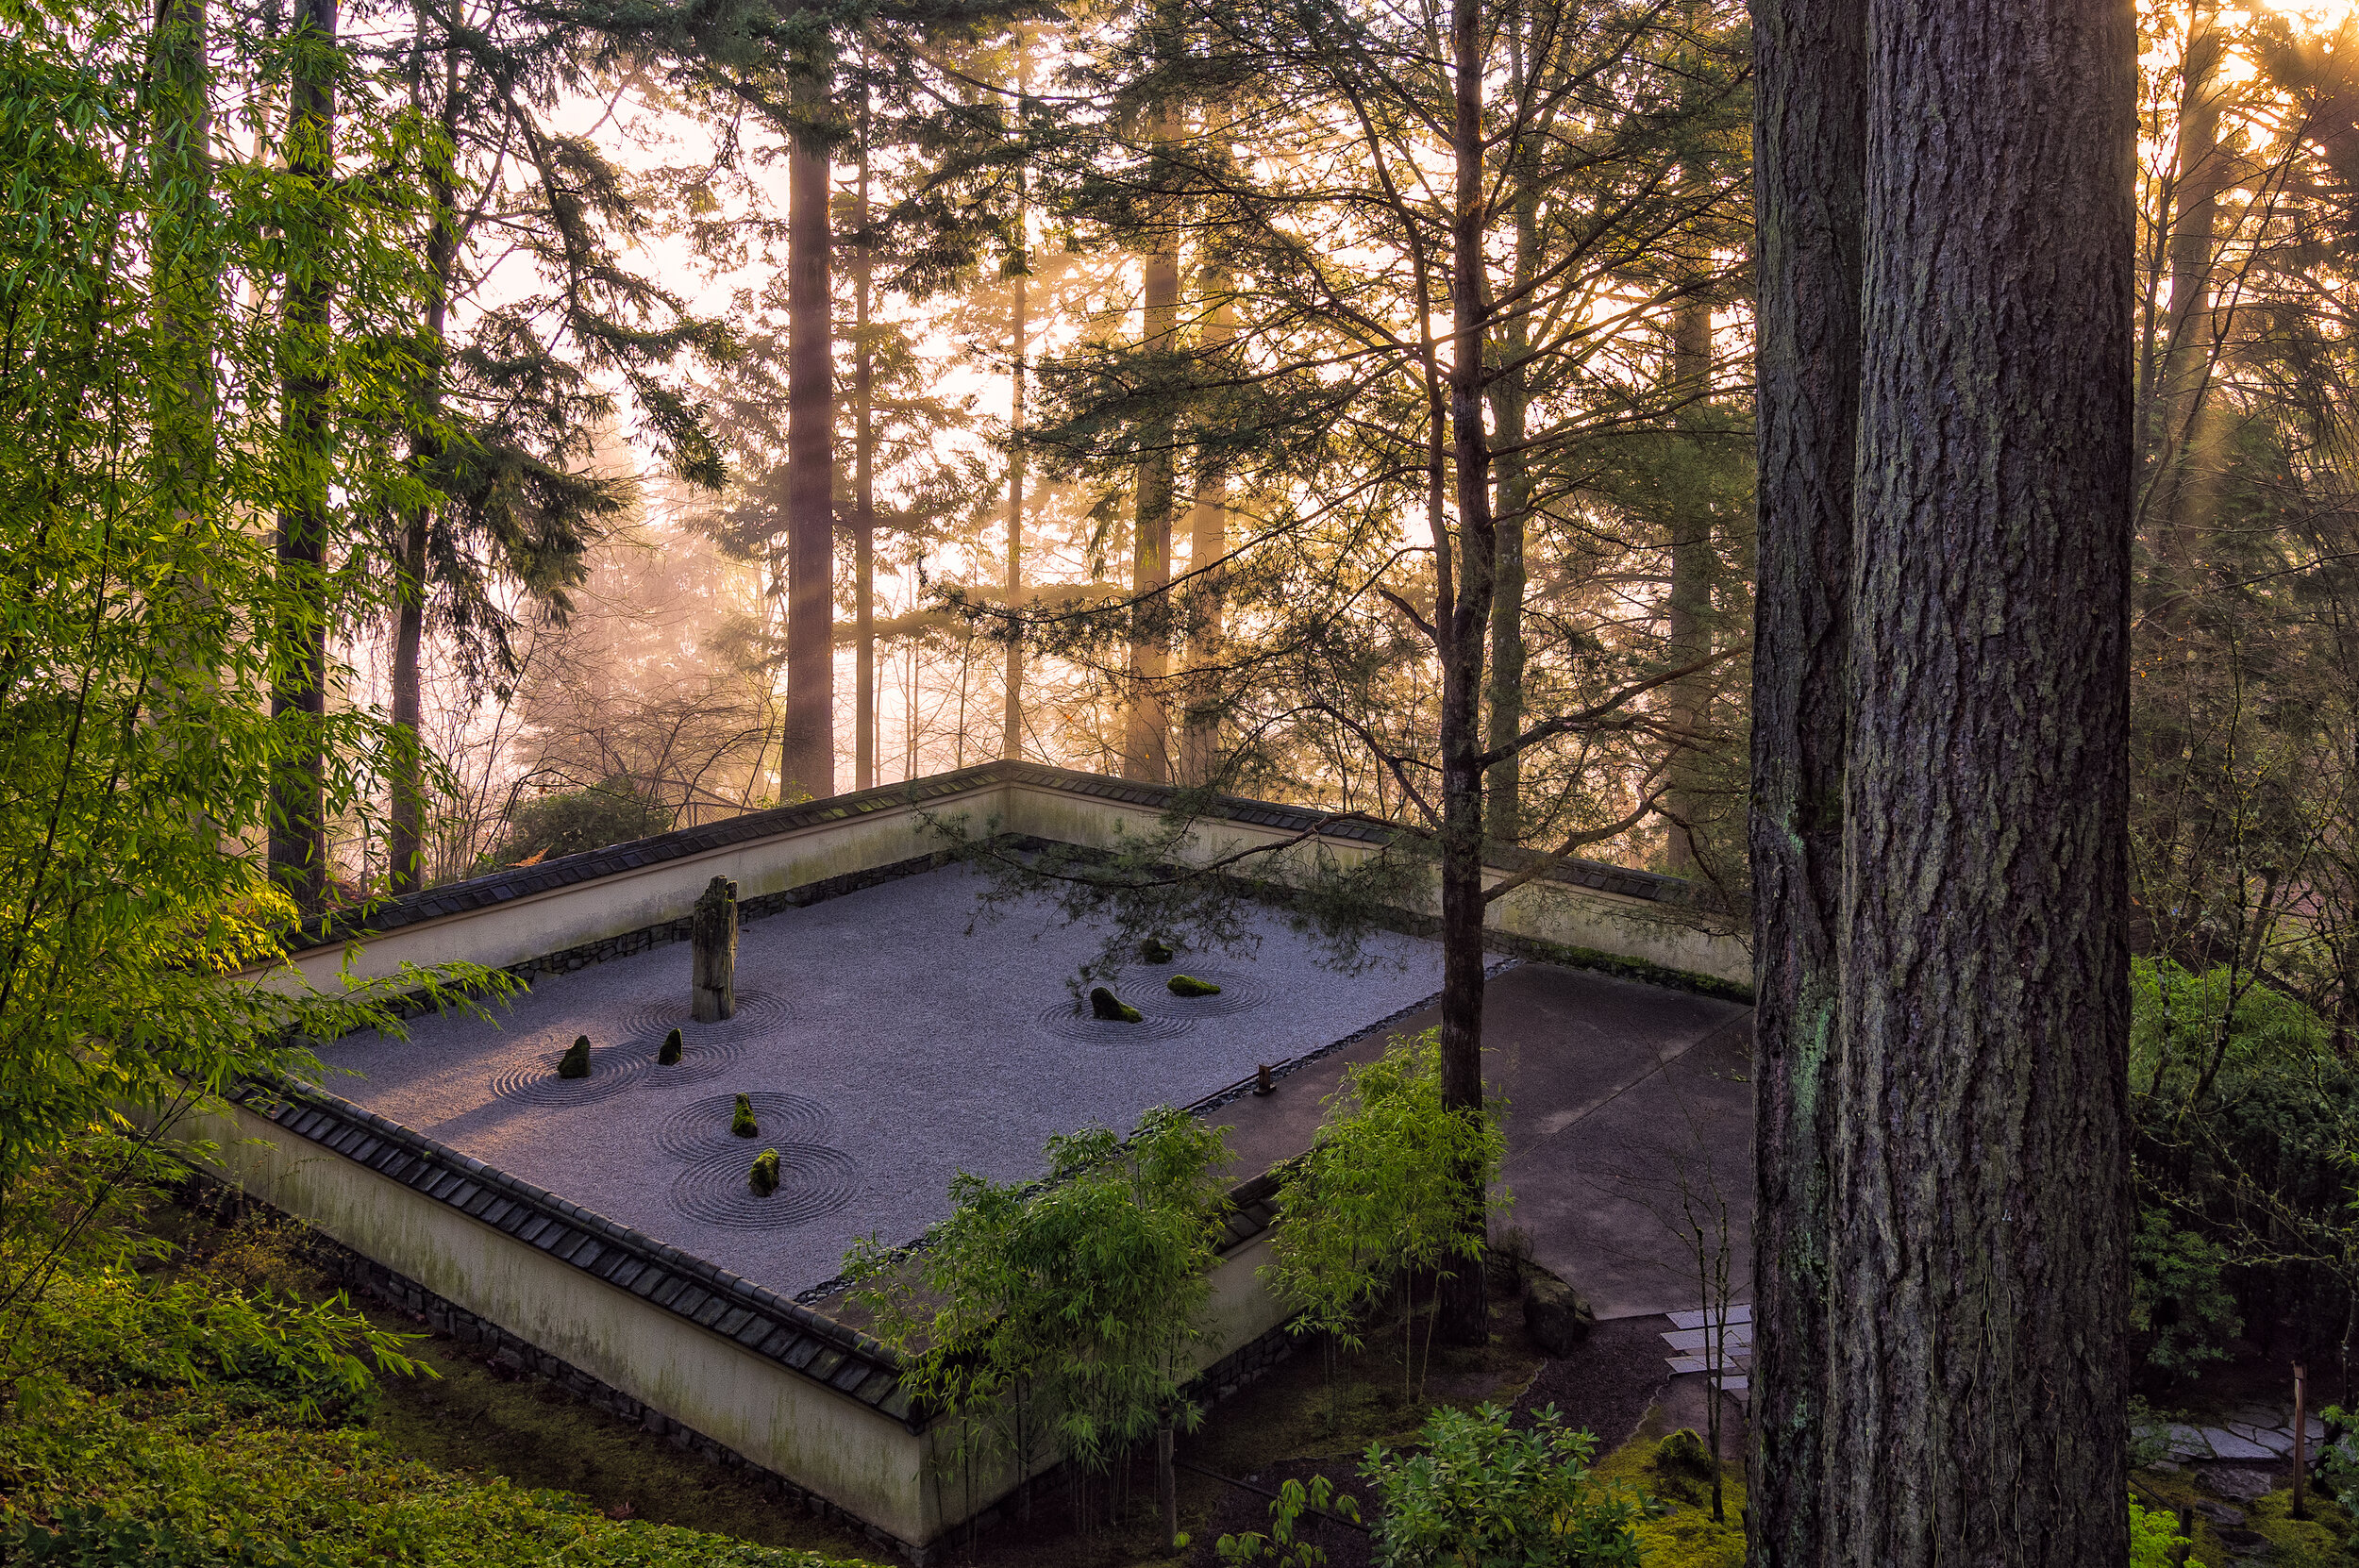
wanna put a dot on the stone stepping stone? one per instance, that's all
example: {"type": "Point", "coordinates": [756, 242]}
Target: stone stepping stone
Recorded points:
{"type": "Point", "coordinates": [1741, 1311]}
{"type": "Point", "coordinates": [1681, 1364]}
{"type": "Point", "coordinates": [1737, 1336]}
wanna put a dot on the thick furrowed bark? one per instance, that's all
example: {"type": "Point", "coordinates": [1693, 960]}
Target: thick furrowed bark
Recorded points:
{"type": "Point", "coordinates": [1978, 1279]}
{"type": "Point", "coordinates": [1810, 141]}
{"type": "Point", "coordinates": [807, 752]}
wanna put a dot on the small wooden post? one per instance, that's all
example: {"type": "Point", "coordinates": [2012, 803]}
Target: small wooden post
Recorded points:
{"type": "Point", "coordinates": [712, 938]}
{"type": "Point", "coordinates": [2186, 1536]}
{"type": "Point", "coordinates": [1167, 1478]}
{"type": "Point", "coordinates": [2302, 1435]}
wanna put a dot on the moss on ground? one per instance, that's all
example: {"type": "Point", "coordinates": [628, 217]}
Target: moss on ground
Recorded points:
{"type": "Point", "coordinates": [1677, 1476]}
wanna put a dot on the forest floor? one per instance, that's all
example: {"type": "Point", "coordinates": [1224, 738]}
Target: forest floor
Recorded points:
{"type": "Point", "coordinates": [2242, 1513]}
{"type": "Point", "coordinates": [479, 1417]}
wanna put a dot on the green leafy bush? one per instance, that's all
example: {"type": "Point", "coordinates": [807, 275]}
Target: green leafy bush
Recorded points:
{"type": "Point", "coordinates": [1108, 1008]}
{"type": "Point", "coordinates": [742, 1121]}
{"type": "Point", "coordinates": [1188, 984]}
{"type": "Point", "coordinates": [669, 1056]}
{"type": "Point", "coordinates": [1280, 1547]}
{"type": "Point", "coordinates": [2177, 1296]}
{"type": "Point", "coordinates": [2154, 1537]}
{"type": "Point", "coordinates": [575, 1063]}
{"type": "Point", "coordinates": [614, 811]}
{"type": "Point", "coordinates": [763, 1177]}
{"type": "Point", "coordinates": [1479, 1493]}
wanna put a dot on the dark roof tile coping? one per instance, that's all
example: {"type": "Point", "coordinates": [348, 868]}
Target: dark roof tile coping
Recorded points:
{"type": "Point", "coordinates": [590, 865]}
{"type": "Point", "coordinates": [302, 1105]}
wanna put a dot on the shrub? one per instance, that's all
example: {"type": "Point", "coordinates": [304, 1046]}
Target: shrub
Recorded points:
{"type": "Point", "coordinates": [614, 811]}
{"type": "Point", "coordinates": [2177, 1296]}
{"type": "Point", "coordinates": [1479, 1493]}
{"type": "Point", "coordinates": [763, 1177]}
{"type": "Point", "coordinates": [575, 1063]}
{"type": "Point", "coordinates": [742, 1121]}
{"type": "Point", "coordinates": [1279, 1548]}
{"type": "Point", "coordinates": [669, 1056]}
{"type": "Point", "coordinates": [1108, 1008]}
{"type": "Point", "coordinates": [2154, 1539]}
{"type": "Point", "coordinates": [1188, 984]}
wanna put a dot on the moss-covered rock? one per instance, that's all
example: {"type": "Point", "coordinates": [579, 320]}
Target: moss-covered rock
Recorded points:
{"type": "Point", "coordinates": [1188, 984]}
{"type": "Point", "coordinates": [742, 1121]}
{"type": "Point", "coordinates": [1107, 1007]}
{"type": "Point", "coordinates": [1155, 950]}
{"type": "Point", "coordinates": [575, 1063]}
{"type": "Point", "coordinates": [670, 1055]}
{"type": "Point", "coordinates": [763, 1177]}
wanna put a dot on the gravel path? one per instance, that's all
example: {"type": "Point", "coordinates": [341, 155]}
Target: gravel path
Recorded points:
{"type": "Point", "coordinates": [893, 1046]}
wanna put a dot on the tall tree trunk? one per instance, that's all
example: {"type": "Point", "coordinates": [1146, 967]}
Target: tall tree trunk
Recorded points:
{"type": "Point", "coordinates": [406, 838]}
{"type": "Point", "coordinates": [807, 750]}
{"type": "Point", "coordinates": [1146, 735]}
{"type": "Point", "coordinates": [1208, 541]}
{"type": "Point", "coordinates": [1810, 144]}
{"type": "Point", "coordinates": [298, 828]}
{"type": "Point", "coordinates": [1461, 618]}
{"type": "Point", "coordinates": [1978, 1265]}
{"type": "Point", "coordinates": [863, 487]}
{"type": "Point", "coordinates": [1012, 679]}
{"type": "Point", "coordinates": [2184, 446]}
{"type": "Point", "coordinates": [1687, 702]}
{"type": "Point", "coordinates": [1511, 398]}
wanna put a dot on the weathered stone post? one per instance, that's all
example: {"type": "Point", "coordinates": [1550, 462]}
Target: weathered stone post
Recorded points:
{"type": "Point", "coordinates": [712, 936]}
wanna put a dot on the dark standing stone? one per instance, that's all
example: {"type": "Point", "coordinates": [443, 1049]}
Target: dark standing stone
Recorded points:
{"type": "Point", "coordinates": [670, 1055]}
{"type": "Point", "coordinates": [763, 1177]}
{"type": "Point", "coordinates": [1555, 1315]}
{"type": "Point", "coordinates": [575, 1063]}
{"type": "Point", "coordinates": [1154, 950]}
{"type": "Point", "coordinates": [712, 935]}
{"type": "Point", "coordinates": [1108, 1008]}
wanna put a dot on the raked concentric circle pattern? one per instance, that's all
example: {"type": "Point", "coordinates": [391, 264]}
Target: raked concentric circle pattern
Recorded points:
{"type": "Point", "coordinates": [1238, 993]}
{"type": "Point", "coordinates": [757, 1014]}
{"type": "Point", "coordinates": [813, 1180]}
{"type": "Point", "coordinates": [702, 1127]}
{"type": "Point", "coordinates": [1062, 1020]}
{"type": "Point", "coordinates": [532, 1079]}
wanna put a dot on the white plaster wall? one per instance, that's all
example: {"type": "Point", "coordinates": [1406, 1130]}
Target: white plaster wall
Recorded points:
{"type": "Point", "coordinates": [863, 1461]}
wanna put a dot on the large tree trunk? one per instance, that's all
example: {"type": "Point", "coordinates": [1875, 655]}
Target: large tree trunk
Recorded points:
{"type": "Point", "coordinates": [1687, 702]}
{"type": "Point", "coordinates": [1510, 396]}
{"type": "Point", "coordinates": [1208, 541]}
{"type": "Point", "coordinates": [1810, 144]}
{"type": "Point", "coordinates": [1146, 735]}
{"type": "Point", "coordinates": [2185, 442]}
{"type": "Point", "coordinates": [406, 838]}
{"type": "Point", "coordinates": [299, 827]}
{"type": "Point", "coordinates": [807, 750]}
{"type": "Point", "coordinates": [1978, 1262]}
{"type": "Point", "coordinates": [1462, 618]}
{"type": "Point", "coordinates": [864, 491]}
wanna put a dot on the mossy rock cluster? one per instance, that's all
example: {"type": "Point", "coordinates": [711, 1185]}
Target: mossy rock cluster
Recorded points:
{"type": "Point", "coordinates": [670, 1055]}
{"type": "Point", "coordinates": [1108, 1008]}
{"type": "Point", "coordinates": [1155, 950]}
{"type": "Point", "coordinates": [575, 1063]}
{"type": "Point", "coordinates": [742, 1121]}
{"type": "Point", "coordinates": [763, 1177]}
{"type": "Point", "coordinates": [1188, 984]}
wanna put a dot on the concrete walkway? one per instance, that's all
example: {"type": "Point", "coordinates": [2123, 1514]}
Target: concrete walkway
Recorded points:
{"type": "Point", "coordinates": [1630, 1119]}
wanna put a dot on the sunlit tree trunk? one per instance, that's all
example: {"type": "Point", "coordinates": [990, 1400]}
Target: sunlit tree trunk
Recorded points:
{"type": "Point", "coordinates": [863, 488]}
{"type": "Point", "coordinates": [1510, 397]}
{"type": "Point", "coordinates": [1978, 1257]}
{"type": "Point", "coordinates": [1688, 605]}
{"type": "Point", "coordinates": [298, 829]}
{"type": "Point", "coordinates": [1012, 679]}
{"type": "Point", "coordinates": [1810, 146]}
{"type": "Point", "coordinates": [807, 751]}
{"type": "Point", "coordinates": [1147, 732]}
{"type": "Point", "coordinates": [1208, 541]}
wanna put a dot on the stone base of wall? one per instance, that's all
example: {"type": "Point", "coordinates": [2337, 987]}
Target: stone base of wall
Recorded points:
{"type": "Point", "coordinates": [446, 1319]}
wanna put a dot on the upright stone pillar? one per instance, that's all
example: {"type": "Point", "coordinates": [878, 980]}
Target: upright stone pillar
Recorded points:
{"type": "Point", "coordinates": [712, 935]}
